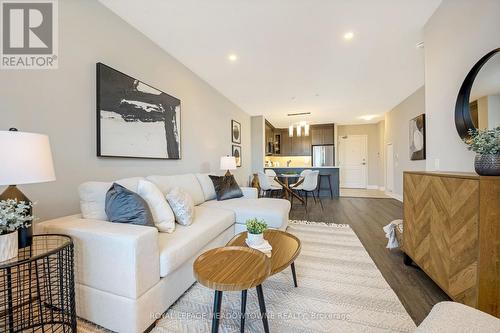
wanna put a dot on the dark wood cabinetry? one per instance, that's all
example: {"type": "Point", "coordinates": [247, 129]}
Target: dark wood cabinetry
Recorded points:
{"type": "Point", "coordinates": [278, 141]}
{"type": "Point", "coordinates": [322, 134]}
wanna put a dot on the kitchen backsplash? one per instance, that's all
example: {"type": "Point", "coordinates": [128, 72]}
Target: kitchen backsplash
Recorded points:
{"type": "Point", "coordinates": [280, 161]}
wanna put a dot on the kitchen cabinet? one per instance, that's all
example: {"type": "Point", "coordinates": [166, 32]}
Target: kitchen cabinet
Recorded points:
{"type": "Point", "coordinates": [286, 144]}
{"type": "Point", "coordinates": [322, 134]}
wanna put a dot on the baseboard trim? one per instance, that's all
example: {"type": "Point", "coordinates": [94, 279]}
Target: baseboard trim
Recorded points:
{"type": "Point", "coordinates": [395, 196]}
{"type": "Point", "coordinates": [381, 188]}
{"type": "Point", "coordinates": [372, 187]}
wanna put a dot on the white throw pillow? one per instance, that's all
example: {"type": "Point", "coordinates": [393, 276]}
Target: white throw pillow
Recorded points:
{"type": "Point", "coordinates": [163, 216]}
{"type": "Point", "coordinates": [207, 186]}
{"type": "Point", "coordinates": [183, 206]}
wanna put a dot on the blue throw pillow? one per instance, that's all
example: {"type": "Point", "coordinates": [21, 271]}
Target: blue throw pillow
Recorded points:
{"type": "Point", "coordinates": [125, 206]}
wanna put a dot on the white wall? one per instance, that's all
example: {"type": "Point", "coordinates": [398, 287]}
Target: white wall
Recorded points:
{"type": "Point", "coordinates": [258, 143]}
{"type": "Point", "coordinates": [374, 156]}
{"type": "Point", "coordinates": [397, 133]}
{"type": "Point", "coordinates": [61, 103]}
{"type": "Point", "coordinates": [458, 34]}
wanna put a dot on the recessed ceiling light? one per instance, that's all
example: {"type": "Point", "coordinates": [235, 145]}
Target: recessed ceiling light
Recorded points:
{"type": "Point", "coordinates": [369, 117]}
{"type": "Point", "coordinates": [348, 35]}
{"type": "Point", "coordinates": [232, 57]}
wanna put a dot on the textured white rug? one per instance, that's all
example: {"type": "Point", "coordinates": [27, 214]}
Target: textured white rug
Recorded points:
{"type": "Point", "coordinates": [340, 290]}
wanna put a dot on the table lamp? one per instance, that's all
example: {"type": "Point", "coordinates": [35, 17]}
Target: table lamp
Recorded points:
{"type": "Point", "coordinates": [26, 159]}
{"type": "Point", "coordinates": [228, 163]}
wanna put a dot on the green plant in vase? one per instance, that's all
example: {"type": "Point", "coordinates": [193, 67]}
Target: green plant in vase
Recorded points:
{"type": "Point", "coordinates": [255, 228]}
{"type": "Point", "coordinates": [486, 144]}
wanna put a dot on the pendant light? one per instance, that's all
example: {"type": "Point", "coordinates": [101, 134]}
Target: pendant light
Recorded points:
{"type": "Point", "coordinates": [306, 129]}
{"type": "Point", "coordinates": [290, 131]}
{"type": "Point", "coordinates": [299, 130]}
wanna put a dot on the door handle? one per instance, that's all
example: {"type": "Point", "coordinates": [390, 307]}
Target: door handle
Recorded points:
{"type": "Point", "coordinates": [363, 163]}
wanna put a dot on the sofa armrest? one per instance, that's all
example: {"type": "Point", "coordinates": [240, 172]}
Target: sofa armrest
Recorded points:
{"type": "Point", "coordinates": [122, 259]}
{"type": "Point", "coordinates": [249, 192]}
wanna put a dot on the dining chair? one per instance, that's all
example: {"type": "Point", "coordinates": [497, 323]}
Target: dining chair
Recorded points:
{"type": "Point", "coordinates": [272, 177]}
{"type": "Point", "coordinates": [267, 186]}
{"type": "Point", "coordinates": [308, 184]}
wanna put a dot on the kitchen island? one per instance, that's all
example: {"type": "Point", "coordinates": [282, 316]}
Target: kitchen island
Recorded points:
{"type": "Point", "coordinates": [327, 170]}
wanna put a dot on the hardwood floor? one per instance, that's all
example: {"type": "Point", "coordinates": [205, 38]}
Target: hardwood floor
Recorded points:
{"type": "Point", "coordinates": [367, 216]}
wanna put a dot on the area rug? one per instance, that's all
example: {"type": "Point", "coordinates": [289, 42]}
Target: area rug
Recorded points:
{"type": "Point", "coordinates": [340, 290]}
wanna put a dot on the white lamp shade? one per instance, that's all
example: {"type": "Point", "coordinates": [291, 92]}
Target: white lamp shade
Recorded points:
{"type": "Point", "coordinates": [228, 163]}
{"type": "Point", "coordinates": [26, 158]}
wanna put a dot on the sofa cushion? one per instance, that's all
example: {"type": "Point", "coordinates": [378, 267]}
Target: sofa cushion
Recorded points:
{"type": "Point", "coordinates": [273, 211]}
{"type": "Point", "coordinates": [93, 196]}
{"type": "Point", "coordinates": [187, 182]}
{"type": "Point", "coordinates": [186, 241]}
{"type": "Point", "coordinates": [206, 185]}
{"type": "Point", "coordinates": [162, 213]}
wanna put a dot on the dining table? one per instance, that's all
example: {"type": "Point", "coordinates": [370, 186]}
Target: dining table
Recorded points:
{"type": "Point", "coordinates": [287, 191]}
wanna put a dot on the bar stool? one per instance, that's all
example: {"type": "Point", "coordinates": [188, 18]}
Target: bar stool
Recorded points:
{"type": "Point", "coordinates": [329, 176]}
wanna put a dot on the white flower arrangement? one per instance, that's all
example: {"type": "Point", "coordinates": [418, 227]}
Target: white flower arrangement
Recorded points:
{"type": "Point", "coordinates": [14, 215]}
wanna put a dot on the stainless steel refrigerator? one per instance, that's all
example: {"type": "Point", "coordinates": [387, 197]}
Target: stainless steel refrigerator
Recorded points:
{"type": "Point", "coordinates": [323, 155]}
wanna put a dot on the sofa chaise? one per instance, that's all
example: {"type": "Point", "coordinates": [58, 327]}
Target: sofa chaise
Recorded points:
{"type": "Point", "coordinates": [128, 275]}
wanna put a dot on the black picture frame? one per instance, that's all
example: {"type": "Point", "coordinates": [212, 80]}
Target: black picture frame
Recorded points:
{"type": "Point", "coordinates": [236, 153]}
{"type": "Point", "coordinates": [235, 132]}
{"type": "Point", "coordinates": [108, 99]}
{"type": "Point", "coordinates": [416, 129]}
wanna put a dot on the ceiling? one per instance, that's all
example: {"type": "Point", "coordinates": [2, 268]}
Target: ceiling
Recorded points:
{"type": "Point", "coordinates": [291, 55]}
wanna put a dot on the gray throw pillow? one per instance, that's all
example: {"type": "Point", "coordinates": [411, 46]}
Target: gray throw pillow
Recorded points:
{"type": "Point", "coordinates": [226, 187]}
{"type": "Point", "coordinates": [125, 206]}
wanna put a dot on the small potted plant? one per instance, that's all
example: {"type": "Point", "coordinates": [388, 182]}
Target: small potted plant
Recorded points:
{"type": "Point", "coordinates": [255, 230]}
{"type": "Point", "coordinates": [486, 144]}
{"type": "Point", "coordinates": [14, 215]}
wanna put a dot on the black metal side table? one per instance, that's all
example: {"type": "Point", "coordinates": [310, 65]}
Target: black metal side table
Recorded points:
{"type": "Point", "coordinates": [37, 289]}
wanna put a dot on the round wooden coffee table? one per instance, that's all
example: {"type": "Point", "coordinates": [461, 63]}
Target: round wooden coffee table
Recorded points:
{"type": "Point", "coordinates": [233, 268]}
{"type": "Point", "coordinates": [286, 248]}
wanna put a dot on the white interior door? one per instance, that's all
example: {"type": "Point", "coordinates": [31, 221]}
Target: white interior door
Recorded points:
{"type": "Point", "coordinates": [353, 156]}
{"type": "Point", "coordinates": [389, 186]}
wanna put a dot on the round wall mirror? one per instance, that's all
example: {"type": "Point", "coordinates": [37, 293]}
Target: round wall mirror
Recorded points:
{"type": "Point", "coordinates": [478, 102]}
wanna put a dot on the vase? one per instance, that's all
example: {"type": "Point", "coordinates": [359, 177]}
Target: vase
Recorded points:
{"type": "Point", "coordinates": [8, 246]}
{"type": "Point", "coordinates": [255, 239]}
{"type": "Point", "coordinates": [25, 236]}
{"type": "Point", "coordinates": [487, 164]}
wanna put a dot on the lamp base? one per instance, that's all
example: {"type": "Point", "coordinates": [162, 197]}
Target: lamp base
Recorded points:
{"type": "Point", "coordinates": [12, 192]}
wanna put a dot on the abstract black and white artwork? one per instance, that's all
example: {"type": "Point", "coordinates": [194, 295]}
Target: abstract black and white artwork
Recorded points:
{"type": "Point", "coordinates": [135, 119]}
{"type": "Point", "coordinates": [235, 131]}
{"type": "Point", "coordinates": [237, 155]}
{"type": "Point", "coordinates": [417, 138]}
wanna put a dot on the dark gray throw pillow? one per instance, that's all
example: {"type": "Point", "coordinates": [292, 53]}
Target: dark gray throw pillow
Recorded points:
{"type": "Point", "coordinates": [125, 206]}
{"type": "Point", "coordinates": [226, 187]}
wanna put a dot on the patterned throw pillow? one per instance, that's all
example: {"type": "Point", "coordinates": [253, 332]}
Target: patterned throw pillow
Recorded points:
{"type": "Point", "coordinates": [183, 206]}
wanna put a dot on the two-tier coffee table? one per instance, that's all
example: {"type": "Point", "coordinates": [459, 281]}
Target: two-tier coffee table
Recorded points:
{"type": "Point", "coordinates": [233, 268]}
{"type": "Point", "coordinates": [286, 248]}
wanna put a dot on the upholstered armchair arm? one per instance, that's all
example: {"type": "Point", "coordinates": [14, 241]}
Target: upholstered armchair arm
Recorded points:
{"type": "Point", "coordinates": [249, 192]}
{"type": "Point", "coordinates": [118, 258]}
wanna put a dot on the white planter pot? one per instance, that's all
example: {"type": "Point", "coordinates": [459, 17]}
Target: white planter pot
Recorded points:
{"type": "Point", "coordinates": [255, 239]}
{"type": "Point", "coordinates": [8, 246]}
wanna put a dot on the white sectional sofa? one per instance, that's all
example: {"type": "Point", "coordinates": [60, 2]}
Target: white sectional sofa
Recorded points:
{"type": "Point", "coordinates": [128, 275]}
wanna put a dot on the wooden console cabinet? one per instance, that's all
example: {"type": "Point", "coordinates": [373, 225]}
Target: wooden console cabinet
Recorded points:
{"type": "Point", "coordinates": [452, 232]}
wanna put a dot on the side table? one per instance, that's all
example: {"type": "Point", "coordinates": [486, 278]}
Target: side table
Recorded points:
{"type": "Point", "coordinates": [233, 268]}
{"type": "Point", "coordinates": [37, 288]}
